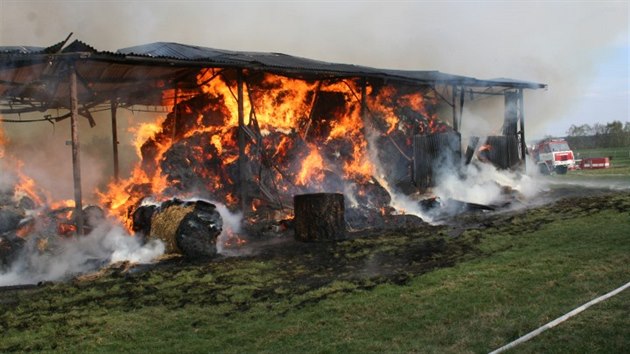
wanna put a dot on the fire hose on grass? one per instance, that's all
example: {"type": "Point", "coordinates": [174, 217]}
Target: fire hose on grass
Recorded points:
{"type": "Point", "coordinates": [560, 319]}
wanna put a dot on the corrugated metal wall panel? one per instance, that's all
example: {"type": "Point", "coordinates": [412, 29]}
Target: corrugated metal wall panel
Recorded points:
{"type": "Point", "coordinates": [432, 153]}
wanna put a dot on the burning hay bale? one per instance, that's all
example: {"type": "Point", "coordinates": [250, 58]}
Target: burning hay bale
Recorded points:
{"type": "Point", "coordinates": [300, 136]}
{"type": "Point", "coordinates": [190, 228]}
{"type": "Point", "coordinates": [12, 216]}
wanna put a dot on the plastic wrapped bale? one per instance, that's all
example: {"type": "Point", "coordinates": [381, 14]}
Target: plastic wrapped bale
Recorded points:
{"type": "Point", "coordinates": [141, 220]}
{"type": "Point", "coordinates": [188, 228]}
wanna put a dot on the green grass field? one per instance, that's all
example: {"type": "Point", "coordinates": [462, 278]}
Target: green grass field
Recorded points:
{"type": "Point", "coordinates": [620, 162]}
{"type": "Point", "coordinates": [620, 157]}
{"type": "Point", "coordinates": [467, 288]}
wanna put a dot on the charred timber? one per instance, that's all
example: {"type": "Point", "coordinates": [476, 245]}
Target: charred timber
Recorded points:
{"type": "Point", "coordinates": [470, 150]}
{"type": "Point", "coordinates": [319, 217]}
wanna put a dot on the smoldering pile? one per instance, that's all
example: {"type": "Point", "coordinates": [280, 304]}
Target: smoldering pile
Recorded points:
{"type": "Point", "coordinates": [40, 243]}
{"type": "Point", "coordinates": [21, 218]}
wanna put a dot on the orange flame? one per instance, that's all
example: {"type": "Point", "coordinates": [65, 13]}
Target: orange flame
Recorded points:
{"type": "Point", "coordinates": [66, 229]}
{"type": "Point", "coordinates": [26, 186]}
{"type": "Point", "coordinates": [297, 135]}
{"type": "Point", "coordinates": [65, 203]}
{"type": "Point", "coordinates": [312, 168]}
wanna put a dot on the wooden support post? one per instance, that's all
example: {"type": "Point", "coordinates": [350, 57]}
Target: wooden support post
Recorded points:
{"type": "Point", "coordinates": [242, 163]}
{"type": "Point", "coordinates": [310, 113]}
{"type": "Point", "coordinates": [76, 163]}
{"type": "Point", "coordinates": [114, 106]}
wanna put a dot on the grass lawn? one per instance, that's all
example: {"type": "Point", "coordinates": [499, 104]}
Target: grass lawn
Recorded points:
{"type": "Point", "coordinates": [619, 160]}
{"type": "Point", "coordinates": [621, 154]}
{"type": "Point", "coordinates": [497, 278]}
{"type": "Point", "coordinates": [619, 169]}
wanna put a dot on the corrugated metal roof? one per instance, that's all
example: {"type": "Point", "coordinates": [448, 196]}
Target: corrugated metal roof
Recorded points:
{"type": "Point", "coordinates": [506, 81]}
{"type": "Point", "coordinates": [145, 70]}
{"type": "Point", "coordinates": [279, 61]}
{"type": "Point", "coordinates": [18, 49]}
{"type": "Point", "coordinates": [167, 50]}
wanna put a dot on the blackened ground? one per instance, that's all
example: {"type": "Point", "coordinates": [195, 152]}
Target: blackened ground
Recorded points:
{"type": "Point", "coordinates": [290, 273]}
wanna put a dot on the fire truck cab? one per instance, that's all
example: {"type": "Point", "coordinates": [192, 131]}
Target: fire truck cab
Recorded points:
{"type": "Point", "coordinates": [553, 156]}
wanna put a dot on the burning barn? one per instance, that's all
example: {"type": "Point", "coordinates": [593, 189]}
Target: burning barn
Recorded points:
{"type": "Point", "coordinates": [253, 130]}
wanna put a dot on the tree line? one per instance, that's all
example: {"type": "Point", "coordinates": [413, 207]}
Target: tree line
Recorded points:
{"type": "Point", "coordinates": [585, 136]}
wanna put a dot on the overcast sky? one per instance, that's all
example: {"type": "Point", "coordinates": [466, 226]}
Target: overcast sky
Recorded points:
{"type": "Point", "coordinates": [580, 49]}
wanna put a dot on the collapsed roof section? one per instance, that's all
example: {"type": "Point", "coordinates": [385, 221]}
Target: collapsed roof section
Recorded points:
{"type": "Point", "coordinates": [36, 79]}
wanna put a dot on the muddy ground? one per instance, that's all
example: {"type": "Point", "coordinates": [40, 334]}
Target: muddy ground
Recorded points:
{"type": "Point", "coordinates": [295, 273]}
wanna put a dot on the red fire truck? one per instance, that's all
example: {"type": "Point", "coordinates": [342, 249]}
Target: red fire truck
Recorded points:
{"type": "Point", "coordinates": [553, 156]}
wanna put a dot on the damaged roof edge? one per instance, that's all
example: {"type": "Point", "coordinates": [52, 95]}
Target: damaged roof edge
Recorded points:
{"type": "Point", "coordinates": [261, 60]}
{"type": "Point", "coordinates": [176, 54]}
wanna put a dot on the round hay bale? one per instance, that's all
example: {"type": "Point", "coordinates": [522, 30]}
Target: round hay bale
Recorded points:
{"type": "Point", "coordinates": [165, 223]}
{"type": "Point", "coordinates": [188, 228]}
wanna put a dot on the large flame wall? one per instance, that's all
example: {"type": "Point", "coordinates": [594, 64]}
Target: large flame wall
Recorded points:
{"type": "Point", "coordinates": [300, 136]}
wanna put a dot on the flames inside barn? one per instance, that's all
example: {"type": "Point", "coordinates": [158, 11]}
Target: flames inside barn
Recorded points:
{"type": "Point", "coordinates": [248, 130]}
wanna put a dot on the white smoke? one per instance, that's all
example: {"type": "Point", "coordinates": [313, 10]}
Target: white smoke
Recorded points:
{"type": "Point", "coordinates": [106, 244]}
{"type": "Point", "coordinates": [400, 201]}
{"type": "Point", "coordinates": [457, 184]}
{"type": "Point", "coordinates": [231, 227]}
{"type": "Point", "coordinates": [483, 183]}
{"type": "Point", "coordinates": [554, 42]}
{"type": "Point", "coordinates": [7, 179]}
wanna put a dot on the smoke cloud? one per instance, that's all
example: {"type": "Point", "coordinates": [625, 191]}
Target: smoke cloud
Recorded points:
{"type": "Point", "coordinates": [106, 244]}
{"type": "Point", "coordinates": [231, 228]}
{"type": "Point", "coordinates": [558, 43]}
{"type": "Point", "coordinates": [552, 42]}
